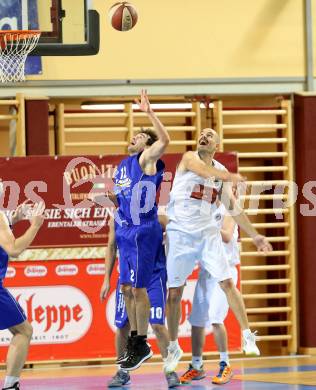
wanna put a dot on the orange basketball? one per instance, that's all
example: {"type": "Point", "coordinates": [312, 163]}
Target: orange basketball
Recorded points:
{"type": "Point", "coordinates": [123, 16]}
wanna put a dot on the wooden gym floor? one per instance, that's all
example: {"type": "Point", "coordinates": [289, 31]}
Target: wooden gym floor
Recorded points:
{"type": "Point", "coordinates": [278, 373]}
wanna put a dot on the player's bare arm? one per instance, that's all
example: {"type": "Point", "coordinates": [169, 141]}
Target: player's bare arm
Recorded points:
{"type": "Point", "coordinates": [228, 228]}
{"type": "Point", "coordinates": [163, 220]}
{"type": "Point", "coordinates": [152, 154]}
{"type": "Point", "coordinates": [15, 246]}
{"type": "Point", "coordinates": [110, 259]}
{"type": "Point", "coordinates": [191, 162]}
{"type": "Point", "coordinates": [242, 220]}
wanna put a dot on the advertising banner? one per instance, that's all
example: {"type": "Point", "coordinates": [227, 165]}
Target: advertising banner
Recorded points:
{"type": "Point", "coordinates": [64, 183]}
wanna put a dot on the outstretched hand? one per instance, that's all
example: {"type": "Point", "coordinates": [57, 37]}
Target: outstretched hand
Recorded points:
{"type": "Point", "coordinates": [236, 178]}
{"type": "Point", "coordinates": [144, 104]}
{"type": "Point", "coordinates": [37, 214]}
{"type": "Point", "coordinates": [262, 244]}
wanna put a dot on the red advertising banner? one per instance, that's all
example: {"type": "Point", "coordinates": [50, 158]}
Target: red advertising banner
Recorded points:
{"type": "Point", "coordinates": [61, 300]}
{"type": "Point", "coordinates": [64, 184]}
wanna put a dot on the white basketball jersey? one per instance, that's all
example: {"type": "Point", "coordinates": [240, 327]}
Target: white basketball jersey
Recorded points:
{"type": "Point", "coordinates": [232, 250]}
{"type": "Point", "coordinates": [193, 200]}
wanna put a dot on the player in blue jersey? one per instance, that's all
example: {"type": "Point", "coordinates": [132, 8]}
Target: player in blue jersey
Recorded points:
{"type": "Point", "coordinates": [137, 229]}
{"type": "Point", "coordinates": [157, 296]}
{"type": "Point", "coordinates": [12, 316]}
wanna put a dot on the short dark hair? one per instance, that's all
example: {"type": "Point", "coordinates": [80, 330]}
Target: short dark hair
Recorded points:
{"type": "Point", "coordinates": [152, 135]}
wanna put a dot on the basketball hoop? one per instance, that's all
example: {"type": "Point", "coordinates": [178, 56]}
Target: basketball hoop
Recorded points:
{"type": "Point", "coordinates": [15, 45]}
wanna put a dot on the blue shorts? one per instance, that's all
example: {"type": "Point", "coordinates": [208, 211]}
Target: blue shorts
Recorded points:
{"type": "Point", "coordinates": [157, 296]}
{"type": "Point", "coordinates": [141, 252]}
{"type": "Point", "coordinates": [11, 312]}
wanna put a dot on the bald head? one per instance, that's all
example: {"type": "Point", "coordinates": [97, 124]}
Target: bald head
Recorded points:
{"type": "Point", "coordinates": [208, 141]}
{"type": "Point", "coordinates": [215, 135]}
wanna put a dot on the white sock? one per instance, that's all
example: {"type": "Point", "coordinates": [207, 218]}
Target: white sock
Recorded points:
{"type": "Point", "coordinates": [10, 381]}
{"type": "Point", "coordinates": [223, 357]}
{"type": "Point", "coordinates": [246, 333]}
{"type": "Point", "coordinates": [197, 362]}
{"type": "Point", "coordinates": [173, 345]}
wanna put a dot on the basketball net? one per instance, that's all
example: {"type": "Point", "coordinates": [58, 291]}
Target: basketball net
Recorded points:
{"type": "Point", "coordinates": [14, 49]}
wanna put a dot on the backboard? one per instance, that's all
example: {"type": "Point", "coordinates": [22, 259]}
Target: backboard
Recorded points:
{"type": "Point", "coordinates": [68, 27]}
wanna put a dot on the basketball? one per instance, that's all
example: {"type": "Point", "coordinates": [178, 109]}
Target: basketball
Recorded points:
{"type": "Point", "coordinates": [123, 16]}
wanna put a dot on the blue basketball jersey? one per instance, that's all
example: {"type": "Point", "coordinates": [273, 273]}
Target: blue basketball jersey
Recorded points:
{"type": "Point", "coordinates": [135, 191]}
{"type": "Point", "coordinates": [4, 259]}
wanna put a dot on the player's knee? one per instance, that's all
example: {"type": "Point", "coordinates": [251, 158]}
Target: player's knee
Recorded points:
{"type": "Point", "coordinates": [158, 329]}
{"type": "Point", "coordinates": [227, 285]}
{"type": "Point", "coordinates": [127, 291]}
{"type": "Point", "coordinates": [217, 325]}
{"type": "Point", "coordinates": [26, 330]}
{"type": "Point", "coordinates": [140, 293]}
{"type": "Point", "coordinates": [174, 295]}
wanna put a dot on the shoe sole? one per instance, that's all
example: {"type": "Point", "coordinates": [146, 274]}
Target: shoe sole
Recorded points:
{"type": "Point", "coordinates": [172, 367]}
{"type": "Point", "coordinates": [223, 383]}
{"type": "Point", "coordinates": [252, 353]}
{"type": "Point", "coordinates": [120, 385]}
{"type": "Point", "coordinates": [174, 385]}
{"type": "Point", "coordinates": [139, 363]}
{"type": "Point", "coordinates": [121, 361]}
{"type": "Point", "coordinates": [193, 379]}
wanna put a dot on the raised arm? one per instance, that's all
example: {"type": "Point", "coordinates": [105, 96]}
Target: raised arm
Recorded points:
{"type": "Point", "coordinates": [15, 246]}
{"type": "Point", "coordinates": [156, 150]}
{"type": "Point", "coordinates": [242, 220]}
{"type": "Point", "coordinates": [190, 162]}
{"type": "Point", "coordinates": [110, 258]}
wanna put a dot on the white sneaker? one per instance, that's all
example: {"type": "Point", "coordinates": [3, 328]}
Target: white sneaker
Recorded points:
{"type": "Point", "coordinates": [249, 345]}
{"type": "Point", "coordinates": [171, 362]}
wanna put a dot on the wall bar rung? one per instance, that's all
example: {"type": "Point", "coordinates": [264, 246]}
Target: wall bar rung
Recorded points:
{"type": "Point", "coordinates": [264, 282]}
{"type": "Point", "coordinates": [79, 115]}
{"type": "Point", "coordinates": [87, 144]}
{"type": "Point", "coordinates": [262, 154]}
{"type": "Point", "coordinates": [269, 267]}
{"type": "Point", "coordinates": [254, 141]}
{"type": "Point", "coordinates": [256, 126]}
{"type": "Point", "coordinates": [268, 324]}
{"type": "Point", "coordinates": [95, 129]}
{"type": "Point", "coordinates": [266, 211]}
{"type": "Point", "coordinates": [184, 114]}
{"type": "Point", "coordinates": [264, 197]}
{"type": "Point", "coordinates": [267, 225]}
{"type": "Point", "coordinates": [280, 168]}
{"type": "Point", "coordinates": [253, 112]}
{"type": "Point", "coordinates": [264, 310]}
{"type": "Point", "coordinates": [267, 296]}
{"type": "Point", "coordinates": [269, 254]}
{"type": "Point", "coordinates": [270, 239]}
{"type": "Point", "coordinates": [274, 338]}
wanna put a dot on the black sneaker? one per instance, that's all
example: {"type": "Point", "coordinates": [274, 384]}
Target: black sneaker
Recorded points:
{"type": "Point", "coordinates": [126, 353]}
{"type": "Point", "coordinates": [140, 353]}
{"type": "Point", "coordinates": [16, 386]}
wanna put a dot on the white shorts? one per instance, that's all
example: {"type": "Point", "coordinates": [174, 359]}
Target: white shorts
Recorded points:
{"type": "Point", "coordinates": [210, 305]}
{"type": "Point", "coordinates": [184, 250]}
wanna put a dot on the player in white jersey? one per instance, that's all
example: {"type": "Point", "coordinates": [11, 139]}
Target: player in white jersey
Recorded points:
{"type": "Point", "coordinates": [193, 236]}
{"type": "Point", "coordinates": [210, 307]}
